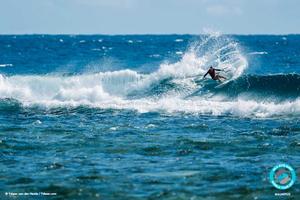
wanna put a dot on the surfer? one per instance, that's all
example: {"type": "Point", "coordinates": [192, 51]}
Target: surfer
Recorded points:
{"type": "Point", "coordinates": [214, 75]}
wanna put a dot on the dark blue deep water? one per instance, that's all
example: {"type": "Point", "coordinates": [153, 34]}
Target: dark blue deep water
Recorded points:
{"type": "Point", "coordinates": [130, 117]}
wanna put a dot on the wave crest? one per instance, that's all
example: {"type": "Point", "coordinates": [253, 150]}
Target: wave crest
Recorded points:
{"type": "Point", "coordinates": [174, 87]}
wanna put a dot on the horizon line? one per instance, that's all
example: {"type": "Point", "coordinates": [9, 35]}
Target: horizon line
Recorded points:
{"type": "Point", "coordinates": [143, 34]}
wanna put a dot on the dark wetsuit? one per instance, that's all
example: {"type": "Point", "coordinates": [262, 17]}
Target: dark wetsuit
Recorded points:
{"type": "Point", "coordinates": [212, 73]}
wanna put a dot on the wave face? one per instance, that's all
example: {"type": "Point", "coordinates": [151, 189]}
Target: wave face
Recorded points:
{"type": "Point", "coordinates": [281, 86]}
{"type": "Point", "coordinates": [172, 87]}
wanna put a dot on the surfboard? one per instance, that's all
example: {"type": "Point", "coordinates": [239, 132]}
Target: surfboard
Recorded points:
{"type": "Point", "coordinates": [222, 84]}
{"type": "Point", "coordinates": [229, 78]}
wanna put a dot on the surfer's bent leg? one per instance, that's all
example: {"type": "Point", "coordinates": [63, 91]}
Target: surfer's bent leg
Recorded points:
{"type": "Point", "coordinates": [222, 77]}
{"type": "Point", "coordinates": [218, 78]}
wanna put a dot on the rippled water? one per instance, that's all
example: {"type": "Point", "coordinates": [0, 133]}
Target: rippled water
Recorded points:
{"type": "Point", "coordinates": [136, 121]}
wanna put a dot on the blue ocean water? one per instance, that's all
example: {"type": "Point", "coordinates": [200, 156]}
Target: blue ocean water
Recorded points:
{"type": "Point", "coordinates": [130, 116]}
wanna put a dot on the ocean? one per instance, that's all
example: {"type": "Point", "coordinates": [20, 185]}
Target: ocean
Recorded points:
{"type": "Point", "coordinates": [131, 117]}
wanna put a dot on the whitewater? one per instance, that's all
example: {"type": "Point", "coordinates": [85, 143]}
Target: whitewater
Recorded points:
{"type": "Point", "coordinates": [131, 117]}
{"type": "Point", "coordinates": [188, 92]}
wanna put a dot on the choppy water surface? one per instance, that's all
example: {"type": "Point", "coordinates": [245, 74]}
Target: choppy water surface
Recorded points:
{"type": "Point", "coordinates": [130, 117]}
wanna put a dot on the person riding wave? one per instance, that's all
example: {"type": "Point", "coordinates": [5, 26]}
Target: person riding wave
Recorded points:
{"type": "Point", "coordinates": [214, 75]}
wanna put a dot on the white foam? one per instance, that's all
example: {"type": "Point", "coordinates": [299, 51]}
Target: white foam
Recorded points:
{"type": "Point", "coordinates": [82, 88]}
{"type": "Point", "coordinates": [258, 53]}
{"type": "Point", "coordinates": [179, 40]}
{"type": "Point", "coordinates": [222, 53]}
{"type": "Point", "coordinates": [108, 90]}
{"type": "Point", "coordinates": [154, 56]}
{"type": "Point", "coordinates": [111, 89]}
{"type": "Point", "coordinates": [6, 65]}
{"type": "Point", "coordinates": [242, 108]}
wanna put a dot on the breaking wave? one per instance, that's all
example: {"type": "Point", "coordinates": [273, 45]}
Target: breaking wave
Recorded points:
{"type": "Point", "coordinates": [174, 87]}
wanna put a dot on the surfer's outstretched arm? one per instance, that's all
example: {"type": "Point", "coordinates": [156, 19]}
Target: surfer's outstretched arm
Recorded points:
{"type": "Point", "coordinates": [205, 75]}
{"type": "Point", "coordinates": [219, 69]}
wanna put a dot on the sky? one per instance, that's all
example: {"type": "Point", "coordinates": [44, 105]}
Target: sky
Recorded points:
{"type": "Point", "coordinates": [149, 16]}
